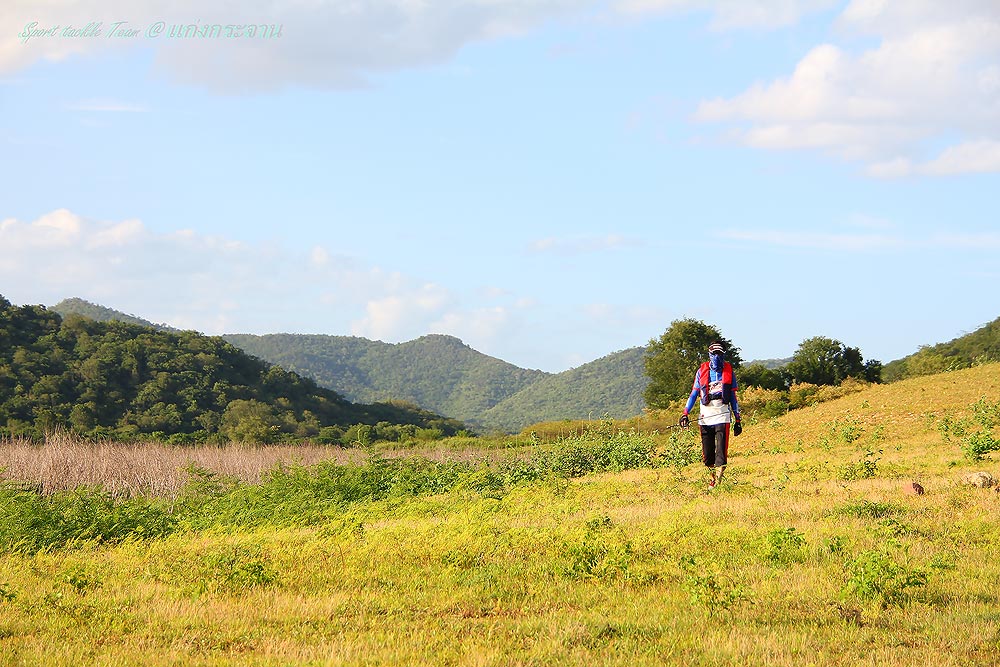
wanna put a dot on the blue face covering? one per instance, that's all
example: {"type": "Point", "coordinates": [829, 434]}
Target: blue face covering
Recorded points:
{"type": "Point", "coordinates": [715, 362]}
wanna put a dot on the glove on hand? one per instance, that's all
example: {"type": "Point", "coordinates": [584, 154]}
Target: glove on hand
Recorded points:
{"type": "Point", "coordinates": [684, 421]}
{"type": "Point", "coordinates": [737, 427]}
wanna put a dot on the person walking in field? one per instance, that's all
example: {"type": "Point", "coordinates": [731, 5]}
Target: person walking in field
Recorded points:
{"type": "Point", "coordinates": [715, 385]}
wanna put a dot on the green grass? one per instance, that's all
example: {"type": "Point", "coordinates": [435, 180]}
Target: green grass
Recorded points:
{"type": "Point", "coordinates": [592, 551]}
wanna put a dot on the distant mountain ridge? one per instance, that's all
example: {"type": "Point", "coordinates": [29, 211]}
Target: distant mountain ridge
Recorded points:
{"type": "Point", "coordinates": [433, 370]}
{"type": "Point", "coordinates": [442, 374]}
{"type": "Point", "coordinates": [612, 385]}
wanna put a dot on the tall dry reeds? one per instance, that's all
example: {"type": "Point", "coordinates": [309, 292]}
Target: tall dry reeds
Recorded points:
{"type": "Point", "coordinates": [64, 462]}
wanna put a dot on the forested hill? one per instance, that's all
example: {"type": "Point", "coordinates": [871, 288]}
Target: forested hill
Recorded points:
{"type": "Point", "coordinates": [610, 385]}
{"type": "Point", "coordinates": [980, 346]}
{"type": "Point", "coordinates": [101, 314]}
{"type": "Point", "coordinates": [121, 380]}
{"type": "Point", "coordinates": [437, 372]}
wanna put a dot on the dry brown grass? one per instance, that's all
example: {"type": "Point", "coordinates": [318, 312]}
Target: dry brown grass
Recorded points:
{"type": "Point", "coordinates": [63, 462]}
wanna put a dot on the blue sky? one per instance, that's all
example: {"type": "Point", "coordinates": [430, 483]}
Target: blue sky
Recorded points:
{"type": "Point", "coordinates": [549, 181]}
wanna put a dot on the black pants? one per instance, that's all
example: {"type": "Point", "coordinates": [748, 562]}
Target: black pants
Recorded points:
{"type": "Point", "coordinates": [715, 444]}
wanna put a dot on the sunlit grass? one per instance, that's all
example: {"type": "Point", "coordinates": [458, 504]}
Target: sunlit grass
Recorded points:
{"type": "Point", "coordinates": [791, 557]}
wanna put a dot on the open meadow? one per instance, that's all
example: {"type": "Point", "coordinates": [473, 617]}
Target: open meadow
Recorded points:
{"type": "Point", "coordinates": [601, 548]}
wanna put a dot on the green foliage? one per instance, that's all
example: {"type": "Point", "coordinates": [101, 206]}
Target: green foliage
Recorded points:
{"type": "Point", "coordinates": [977, 445]}
{"type": "Point", "coordinates": [601, 449]}
{"type": "Point", "coordinates": [118, 380]}
{"type": "Point", "coordinates": [977, 435]}
{"type": "Point", "coordinates": [235, 569]}
{"type": "Point", "coordinates": [598, 555]}
{"type": "Point", "coordinates": [297, 495]}
{"type": "Point", "coordinates": [865, 468]}
{"type": "Point", "coordinates": [785, 545]}
{"type": "Point", "coordinates": [825, 361]}
{"type": "Point", "coordinates": [6, 593]}
{"type": "Point", "coordinates": [682, 449]}
{"type": "Point", "coordinates": [672, 359]}
{"type": "Point", "coordinates": [875, 577]}
{"type": "Point", "coordinates": [709, 590]}
{"type": "Point", "coordinates": [980, 346]}
{"type": "Point", "coordinates": [759, 375]}
{"type": "Point", "coordinates": [871, 509]}
{"type": "Point", "coordinates": [847, 430]}
{"type": "Point", "coordinates": [32, 521]}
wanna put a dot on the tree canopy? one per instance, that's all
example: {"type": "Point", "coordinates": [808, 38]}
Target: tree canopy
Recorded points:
{"type": "Point", "coordinates": [672, 359]}
{"type": "Point", "coordinates": [822, 360]}
{"type": "Point", "coordinates": [120, 380]}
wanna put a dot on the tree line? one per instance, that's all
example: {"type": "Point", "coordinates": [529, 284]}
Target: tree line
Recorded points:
{"type": "Point", "coordinates": [125, 381]}
{"type": "Point", "coordinates": [672, 359]}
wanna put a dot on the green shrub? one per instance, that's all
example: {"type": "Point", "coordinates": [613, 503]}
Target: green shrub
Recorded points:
{"type": "Point", "coordinates": [868, 509]}
{"type": "Point", "coordinates": [682, 450]}
{"type": "Point", "coordinates": [708, 589]}
{"type": "Point", "coordinates": [866, 468]}
{"type": "Point", "coordinates": [875, 577]}
{"type": "Point", "coordinates": [977, 445]}
{"type": "Point", "coordinates": [33, 521]}
{"type": "Point", "coordinates": [785, 545]}
{"type": "Point", "coordinates": [236, 569]}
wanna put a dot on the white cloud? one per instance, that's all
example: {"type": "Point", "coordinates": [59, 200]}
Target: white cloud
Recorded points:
{"type": "Point", "coordinates": [404, 315]}
{"type": "Point", "coordinates": [890, 239]}
{"type": "Point", "coordinates": [731, 14]}
{"type": "Point", "coordinates": [219, 285]}
{"type": "Point", "coordinates": [933, 78]}
{"type": "Point", "coordinates": [971, 156]}
{"type": "Point", "coordinates": [815, 240]}
{"type": "Point", "coordinates": [324, 43]}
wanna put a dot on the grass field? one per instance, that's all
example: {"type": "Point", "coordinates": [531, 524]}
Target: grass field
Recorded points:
{"type": "Point", "coordinates": [814, 551]}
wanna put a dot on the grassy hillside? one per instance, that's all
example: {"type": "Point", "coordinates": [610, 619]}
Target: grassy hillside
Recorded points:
{"type": "Point", "coordinates": [980, 346]}
{"type": "Point", "coordinates": [812, 552]}
{"type": "Point", "coordinates": [119, 380]}
{"type": "Point", "coordinates": [436, 372]}
{"type": "Point", "coordinates": [610, 385]}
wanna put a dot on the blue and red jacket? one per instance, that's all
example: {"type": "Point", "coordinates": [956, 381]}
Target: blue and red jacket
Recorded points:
{"type": "Point", "coordinates": [704, 378]}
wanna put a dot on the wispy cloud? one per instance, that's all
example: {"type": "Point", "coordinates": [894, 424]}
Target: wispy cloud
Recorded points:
{"type": "Point", "coordinates": [864, 242]}
{"type": "Point", "coordinates": [817, 240]}
{"type": "Point", "coordinates": [581, 244]}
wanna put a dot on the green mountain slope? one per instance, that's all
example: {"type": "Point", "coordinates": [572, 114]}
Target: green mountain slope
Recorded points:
{"type": "Point", "coordinates": [980, 346]}
{"type": "Point", "coordinates": [610, 385]}
{"type": "Point", "coordinates": [436, 372]}
{"type": "Point", "coordinates": [114, 379]}
{"type": "Point", "coordinates": [99, 313]}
